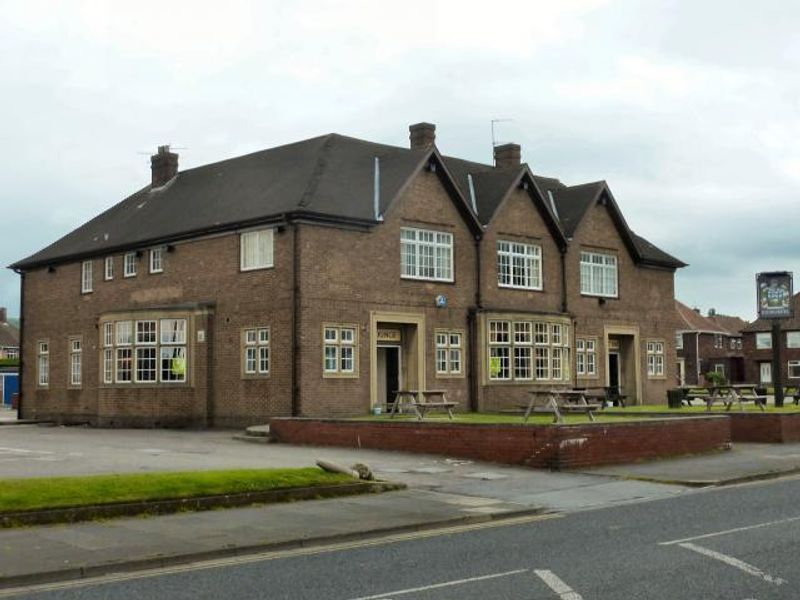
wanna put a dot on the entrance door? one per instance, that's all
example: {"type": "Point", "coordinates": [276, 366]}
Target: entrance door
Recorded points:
{"type": "Point", "coordinates": [765, 369]}
{"type": "Point", "coordinates": [681, 371]}
{"type": "Point", "coordinates": [388, 373]}
{"type": "Point", "coordinates": [613, 370]}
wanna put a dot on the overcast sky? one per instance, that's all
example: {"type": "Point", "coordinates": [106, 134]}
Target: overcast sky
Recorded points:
{"type": "Point", "coordinates": [690, 110]}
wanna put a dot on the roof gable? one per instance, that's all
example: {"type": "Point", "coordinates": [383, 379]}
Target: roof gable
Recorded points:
{"type": "Point", "coordinates": [691, 320]}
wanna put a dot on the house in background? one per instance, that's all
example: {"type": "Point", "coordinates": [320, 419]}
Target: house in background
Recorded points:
{"type": "Point", "coordinates": [9, 337]}
{"type": "Point", "coordinates": [708, 343]}
{"type": "Point", "coordinates": [317, 278]}
{"type": "Point", "coordinates": [9, 357]}
{"type": "Point", "coordinates": [758, 348]}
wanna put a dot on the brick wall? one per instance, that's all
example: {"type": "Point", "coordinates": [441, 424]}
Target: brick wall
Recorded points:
{"type": "Point", "coordinates": [553, 447]}
{"type": "Point", "coordinates": [765, 428]}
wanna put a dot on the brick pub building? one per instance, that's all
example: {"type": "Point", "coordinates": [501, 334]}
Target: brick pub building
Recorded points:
{"type": "Point", "coordinates": [315, 278]}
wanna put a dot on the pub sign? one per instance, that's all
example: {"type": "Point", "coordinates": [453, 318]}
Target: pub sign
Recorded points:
{"type": "Point", "coordinates": [774, 295]}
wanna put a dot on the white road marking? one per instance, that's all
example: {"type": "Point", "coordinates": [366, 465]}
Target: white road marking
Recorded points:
{"type": "Point", "coordinates": [727, 531]}
{"type": "Point", "coordinates": [272, 555]}
{"type": "Point", "coordinates": [425, 588]}
{"type": "Point", "coordinates": [734, 562]}
{"type": "Point", "coordinates": [557, 585]}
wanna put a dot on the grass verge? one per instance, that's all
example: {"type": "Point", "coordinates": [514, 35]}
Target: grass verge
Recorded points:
{"type": "Point", "coordinates": [501, 419]}
{"type": "Point", "coordinates": [17, 495]}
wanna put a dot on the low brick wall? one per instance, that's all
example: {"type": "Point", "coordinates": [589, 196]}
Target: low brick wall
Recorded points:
{"type": "Point", "coordinates": [766, 428]}
{"type": "Point", "coordinates": [541, 446]}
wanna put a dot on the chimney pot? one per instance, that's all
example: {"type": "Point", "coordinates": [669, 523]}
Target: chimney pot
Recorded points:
{"type": "Point", "coordinates": [163, 166]}
{"type": "Point", "coordinates": [422, 135]}
{"type": "Point", "coordinates": [507, 155]}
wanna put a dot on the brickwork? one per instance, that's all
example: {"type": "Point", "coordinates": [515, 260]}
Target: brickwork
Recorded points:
{"type": "Point", "coordinates": [765, 428]}
{"type": "Point", "coordinates": [553, 447]}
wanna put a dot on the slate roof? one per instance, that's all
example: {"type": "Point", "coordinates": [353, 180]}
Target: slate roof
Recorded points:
{"type": "Point", "coordinates": [328, 177]}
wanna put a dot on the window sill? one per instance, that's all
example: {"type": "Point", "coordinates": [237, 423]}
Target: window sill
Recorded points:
{"type": "Point", "coordinates": [519, 288]}
{"type": "Point", "coordinates": [450, 376]}
{"type": "Point", "coordinates": [604, 296]}
{"type": "Point", "coordinates": [426, 279]}
{"type": "Point", "coordinates": [249, 269]}
{"type": "Point", "coordinates": [337, 375]}
{"type": "Point", "coordinates": [254, 376]}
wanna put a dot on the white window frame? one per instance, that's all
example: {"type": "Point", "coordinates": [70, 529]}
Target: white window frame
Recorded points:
{"type": "Point", "coordinates": [655, 358]}
{"type": "Point", "coordinates": [256, 250]}
{"type": "Point", "coordinates": [719, 341]}
{"type": "Point", "coordinates": [599, 274]}
{"type": "Point", "coordinates": [793, 339]}
{"type": "Point", "coordinates": [519, 266]}
{"type": "Point", "coordinates": [763, 341]}
{"type": "Point", "coordinates": [75, 362]}
{"type": "Point", "coordinates": [678, 341]}
{"type": "Point", "coordinates": [449, 352]}
{"type": "Point", "coordinates": [43, 363]}
{"type": "Point", "coordinates": [152, 340]}
{"type": "Point", "coordinates": [793, 364]}
{"type": "Point", "coordinates": [86, 277]}
{"type": "Point", "coordinates": [256, 351]}
{"type": "Point", "coordinates": [720, 368]}
{"type": "Point", "coordinates": [426, 250]}
{"type": "Point", "coordinates": [129, 261]}
{"type": "Point", "coordinates": [528, 350]}
{"type": "Point", "coordinates": [108, 268]}
{"type": "Point", "coordinates": [340, 342]}
{"type": "Point", "coordinates": [156, 260]}
{"type": "Point", "coordinates": [586, 357]}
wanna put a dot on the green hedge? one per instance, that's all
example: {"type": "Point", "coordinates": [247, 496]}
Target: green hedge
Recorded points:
{"type": "Point", "coordinates": [9, 362]}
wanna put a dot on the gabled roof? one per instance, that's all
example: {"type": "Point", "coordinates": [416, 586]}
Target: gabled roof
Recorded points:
{"type": "Point", "coordinates": [792, 324]}
{"type": "Point", "coordinates": [730, 324]}
{"type": "Point", "coordinates": [328, 178]}
{"type": "Point", "coordinates": [572, 204]}
{"type": "Point", "coordinates": [692, 320]}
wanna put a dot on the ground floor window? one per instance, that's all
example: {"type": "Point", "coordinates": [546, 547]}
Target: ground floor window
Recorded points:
{"type": "Point", "coordinates": [144, 351]}
{"type": "Point", "coordinates": [339, 350]}
{"type": "Point", "coordinates": [655, 358]}
{"type": "Point", "coordinates": [522, 350]}
{"type": "Point", "coordinates": [43, 363]}
{"type": "Point", "coordinates": [75, 362]}
{"type": "Point", "coordinates": [256, 351]}
{"type": "Point", "coordinates": [586, 357]}
{"type": "Point", "coordinates": [449, 349]}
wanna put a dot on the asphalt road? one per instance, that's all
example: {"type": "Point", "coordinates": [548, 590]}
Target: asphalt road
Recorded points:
{"type": "Point", "coordinates": [737, 543]}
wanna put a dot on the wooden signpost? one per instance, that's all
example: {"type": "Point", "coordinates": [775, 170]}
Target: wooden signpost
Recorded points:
{"type": "Point", "coordinates": [774, 291]}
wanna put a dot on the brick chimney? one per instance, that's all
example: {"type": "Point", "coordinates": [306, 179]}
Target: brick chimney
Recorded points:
{"type": "Point", "coordinates": [422, 135]}
{"type": "Point", "coordinates": [3, 315]}
{"type": "Point", "coordinates": [164, 166]}
{"type": "Point", "coordinates": [507, 155]}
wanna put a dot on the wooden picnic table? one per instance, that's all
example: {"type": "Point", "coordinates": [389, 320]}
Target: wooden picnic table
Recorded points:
{"type": "Point", "coordinates": [605, 395]}
{"type": "Point", "coordinates": [422, 401]}
{"type": "Point", "coordinates": [727, 394]}
{"type": "Point", "coordinates": [560, 401]}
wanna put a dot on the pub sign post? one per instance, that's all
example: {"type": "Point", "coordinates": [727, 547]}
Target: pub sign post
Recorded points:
{"type": "Point", "coordinates": [775, 303]}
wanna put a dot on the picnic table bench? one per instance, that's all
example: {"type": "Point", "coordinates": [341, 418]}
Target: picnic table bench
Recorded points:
{"type": "Point", "coordinates": [422, 401]}
{"type": "Point", "coordinates": [727, 394]}
{"type": "Point", "coordinates": [559, 402]}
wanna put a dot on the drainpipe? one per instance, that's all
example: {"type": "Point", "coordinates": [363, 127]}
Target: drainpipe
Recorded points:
{"type": "Point", "coordinates": [472, 328]}
{"type": "Point", "coordinates": [564, 306]}
{"type": "Point", "coordinates": [296, 407]}
{"type": "Point", "coordinates": [21, 340]}
{"type": "Point", "coordinates": [697, 357]}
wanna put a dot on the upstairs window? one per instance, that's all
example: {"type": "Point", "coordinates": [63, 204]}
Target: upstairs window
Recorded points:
{"type": "Point", "coordinates": [764, 341]}
{"type": "Point", "coordinates": [109, 268]}
{"type": "Point", "coordinates": [256, 250]}
{"type": "Point", "coordinates": [129, 264]}
{"type": "Point", "coordinates": [679, 341]}
{"type": "Point", "coordinates": [599, 274]}
{"type": "Point", "coordinates": [426, 254]}
{"type": "Point", "coordinates": [519, 266]}
{"type": "Point", "coordinates": [793, 339]}
{"type": "Point", "coordinates": [86, 277]}
{"type": "Point", "coordinates": [718, 341]}
{"type": "Point", "coordinates": [157, 260]}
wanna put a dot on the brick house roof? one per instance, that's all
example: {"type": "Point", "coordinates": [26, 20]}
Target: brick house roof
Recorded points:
{"type": "Point", "coordinates": [732, 325]}
{"type": "Point", "coordinates": [792, 324]}
{"type": "Point", "coordinates": [330, 178]}
{"type": "Point", "coordinates": [9, 335]}
{"type": "Point", "coordinates": [691, 320]}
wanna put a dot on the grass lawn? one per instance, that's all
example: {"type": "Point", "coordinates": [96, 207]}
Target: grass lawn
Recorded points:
{"type": "Point", "coordinates": [700, 407]}
{"type": "Point", "coordinates": [495, 418]}
{"type": "Point", "coordinates": [60, 492]}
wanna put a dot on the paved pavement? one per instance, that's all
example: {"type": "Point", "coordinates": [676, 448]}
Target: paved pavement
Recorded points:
{"type": "Point", "coordinates": [441, 491]}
